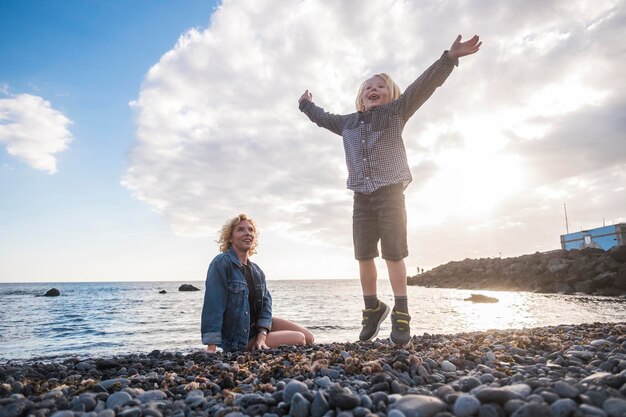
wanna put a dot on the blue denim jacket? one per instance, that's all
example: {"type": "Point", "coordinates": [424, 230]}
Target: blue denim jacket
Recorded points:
{"type": "Point", "coordinates": [226, 311]}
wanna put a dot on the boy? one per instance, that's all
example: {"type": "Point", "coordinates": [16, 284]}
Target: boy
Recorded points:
{"type": "Point", "coordinates": [378, 173]}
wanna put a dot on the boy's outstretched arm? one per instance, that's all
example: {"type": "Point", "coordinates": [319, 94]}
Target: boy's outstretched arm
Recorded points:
{"type": "Point", "coordinates": [459, 49]}
{"type": "Point", "coordinates": [317, 115]}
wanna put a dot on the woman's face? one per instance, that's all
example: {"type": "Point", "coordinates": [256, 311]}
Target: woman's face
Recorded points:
{"type": "Point", "coordinates": [375, 93]}
{"type": "Point", "coordinates": [243, 236]}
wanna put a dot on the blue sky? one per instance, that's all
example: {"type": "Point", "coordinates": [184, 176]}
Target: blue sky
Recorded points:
{"type": "Point", "coordinates": [129, 131]}
{"type": "Point", "coordinates": [88, 59]}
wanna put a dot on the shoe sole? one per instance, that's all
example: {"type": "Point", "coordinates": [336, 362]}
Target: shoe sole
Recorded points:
{"type": "Point", "coordinates": [382, 318]}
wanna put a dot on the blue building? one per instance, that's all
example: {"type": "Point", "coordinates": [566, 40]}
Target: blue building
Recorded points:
{"type": "Point", "coordinates": [601, 237]}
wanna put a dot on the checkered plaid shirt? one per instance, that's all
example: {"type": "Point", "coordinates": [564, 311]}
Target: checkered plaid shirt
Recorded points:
{"type": "Point", "coordinates": [372, 140]}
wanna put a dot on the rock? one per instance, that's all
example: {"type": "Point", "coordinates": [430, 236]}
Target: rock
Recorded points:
{"type": "Point", "coordinates": [615, 407]}
{"type": "Point", "coordinates": [448, 366]}
{"type": "Point", "coordinates": [63, 413]}
{"type": "Point", "coordinates": [565, 390]}
{"type": "Point", "coordinates": [620, 279]}
{"type": "Point", "coordinates": [343, 397]}
{"type": "Point", "coordinates": [618, 253]}
{"type": "Point", "coordinates": [494, 395]}
{"type": "Point", "coordinates": [533, 410]}
{"type": "Point", "coordinates": [152, 395]}
{"type": "Point", "coordinates": [590, 410]}
{"type": "Point", "coordinates": [479, 298]}
{"type": "Point", "coordinates": [319, 406]}
{"type": "Point", "coordinates": [299, 406]}
{"type": "Point", "coordinates": [118, 399]}
{"type": "Point", "coordinates": [53, 292]}
{"type": "Point", "coordinates": [164, 292]}
{"type": "Point", "coordinates": [563, 408]}
{"type": "Point", "coordinates": [491, 410]}
{"type": "Point", "coordinates": [419, 405]}
{"type": "Point", "coordinates": [188, 287]}
{"type": "Point", "coordinates": [466, 405]}
{"type": "Point", "coordinates": [293, 387]}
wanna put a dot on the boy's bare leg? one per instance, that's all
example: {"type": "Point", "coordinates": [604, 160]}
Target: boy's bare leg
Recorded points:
{"type": "Point", "coordinates": [397, 277]}
{"type": "Point", "coordinates": [368, 275]}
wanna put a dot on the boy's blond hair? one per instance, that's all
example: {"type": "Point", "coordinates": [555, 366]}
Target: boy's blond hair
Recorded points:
{"type": "Point", "coordinates": [394, 90]}
{"type": "Point", "coordinates": [227, 231]}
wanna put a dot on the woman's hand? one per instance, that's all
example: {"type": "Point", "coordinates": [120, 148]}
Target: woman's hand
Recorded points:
{"type": "Point", "coordinates": [306, 96]}
{"type": "Point", "coordinates": [259, 343]}
{"type": "Point", "coordinates": [459, 49]}
{"type": "Point", "coordinates": [211, 348]}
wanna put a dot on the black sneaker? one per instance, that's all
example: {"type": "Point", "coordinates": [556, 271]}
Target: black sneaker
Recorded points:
{"type": "Point", "coordinates": [400, 328]}
{"type": "Point", "coordinates": [372, 318]}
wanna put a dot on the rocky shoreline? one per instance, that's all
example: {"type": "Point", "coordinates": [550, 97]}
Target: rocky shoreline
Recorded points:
{"type": "Point", "coordinates": [587, 271]}
{"type": "Point", "coordinates": [550, 371]}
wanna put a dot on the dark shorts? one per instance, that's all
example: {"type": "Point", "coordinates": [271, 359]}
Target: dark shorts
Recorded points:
{"type": "Point", "coordinates": [380, 216]}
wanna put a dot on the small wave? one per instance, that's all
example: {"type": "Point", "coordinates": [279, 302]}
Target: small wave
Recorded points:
{"type": "Point", "coordinates": [19, 292]}
{"type": "Point", "coordinates": [328, 327]}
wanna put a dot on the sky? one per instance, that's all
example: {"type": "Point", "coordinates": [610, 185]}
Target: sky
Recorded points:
{"type": "Point", "coordinates": [130, 131]}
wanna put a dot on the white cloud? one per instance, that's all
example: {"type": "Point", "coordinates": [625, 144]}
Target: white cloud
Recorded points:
{"type": "Point", "coordinates": [219, 131]}
{"type": "Point", "coordinates": [32, 130]}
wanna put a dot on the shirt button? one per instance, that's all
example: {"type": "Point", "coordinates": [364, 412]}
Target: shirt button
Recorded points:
{"type": "Point", "coordinates": [362, 122]}
{"type": "Point", "coordinates": [367, 178]}
{"type": "Point", "coordinates": [362, 141]}
{"type": "Point", "coordinates": [365, 159]}
{"type": "Point", "coordinates": [245, 330]}
{"type": "Point", "coordinates": [246, 313]}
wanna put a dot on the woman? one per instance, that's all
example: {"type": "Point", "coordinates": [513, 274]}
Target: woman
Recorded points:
{"type": "Point", "coordinates": [237, 310]}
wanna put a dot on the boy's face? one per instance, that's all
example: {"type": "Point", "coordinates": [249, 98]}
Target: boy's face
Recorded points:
{"type": "Point", "coordinates": [375, 93]}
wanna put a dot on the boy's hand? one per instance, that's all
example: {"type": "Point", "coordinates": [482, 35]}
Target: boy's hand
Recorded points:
{"type": "Point", "coordinates": [306, 96]}
{"type": "Point", "coordinates": [459, 49]}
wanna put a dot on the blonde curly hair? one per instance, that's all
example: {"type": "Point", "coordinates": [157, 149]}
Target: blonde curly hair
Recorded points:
{"type": "Point", "coordinates": [394, 90]}
{"type": "Point", "coordinates": [227, 231]}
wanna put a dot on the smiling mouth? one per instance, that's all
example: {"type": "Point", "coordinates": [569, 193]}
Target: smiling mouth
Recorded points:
{"type": "Point", "coordinates": [374, 97]}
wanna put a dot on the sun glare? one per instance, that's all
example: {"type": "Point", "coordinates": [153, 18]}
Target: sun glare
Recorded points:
{"type": "Point", "coordinates": [469, 183]}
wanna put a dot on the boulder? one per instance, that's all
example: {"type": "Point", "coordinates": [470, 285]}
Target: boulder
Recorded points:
{"type": "Point", "coordinates": [53, 292]}
{"type": "Point", "coordinates": [164, 292]}
{"type": "Point", "coordinates": [479, 298]}
{"type": "Point", "coordinates": [188, 287]}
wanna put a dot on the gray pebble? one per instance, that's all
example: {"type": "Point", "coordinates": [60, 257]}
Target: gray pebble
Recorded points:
{"type": "Point", "coordinates": [63, 413]}
{"type": "Point", "coordinates": [466, 405]}
{"type": "Point", "coordinates": [615, 407]}
{"type": "Point", "coordinates": [490, 410]}
{"type": "Point", "coordinates": [319, 406]}
{"type": "Point", "coordinates": [563, 408]}
{"type": "Point", "coordinates": [592, 410]}
{"type": "Point", "coordinates": [152, 395]}
{"type": "Point", "coordinates": [533, 410]}
{"type": "Point", "coordinates": [566, 390]}
{"type": "Point", "coordinates": [448, 366]}
{"type": "Point", "coordinates": [396, 413]}
{"type": "Point", "coordinates": [118, 399]}
{"type": "Point", "coordinates": [106, 413]}
{"type": "Point", "coordinates": [419, 405]}
{"type": "Point", "coordinates": [292, 388]}
{"type": "Point", "coordinates": [299, 406]}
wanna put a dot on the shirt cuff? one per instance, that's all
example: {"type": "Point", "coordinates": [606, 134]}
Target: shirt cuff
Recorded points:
{"type": "Point", "coordinates": [447, 58]}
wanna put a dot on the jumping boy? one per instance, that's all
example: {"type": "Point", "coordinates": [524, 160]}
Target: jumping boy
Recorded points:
{"type": "Point", "coordinates": [378, 173]}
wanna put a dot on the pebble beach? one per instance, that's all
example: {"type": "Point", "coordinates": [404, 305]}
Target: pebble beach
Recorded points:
{"type": "Point", "coordinates": [566, 370]}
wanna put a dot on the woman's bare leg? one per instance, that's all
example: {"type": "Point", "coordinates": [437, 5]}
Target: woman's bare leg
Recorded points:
{"type": "Point", "coordinates": [282, 325]}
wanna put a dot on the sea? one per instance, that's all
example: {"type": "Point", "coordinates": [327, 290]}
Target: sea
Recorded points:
{"type": "Point", "coordinates": [111, 318]}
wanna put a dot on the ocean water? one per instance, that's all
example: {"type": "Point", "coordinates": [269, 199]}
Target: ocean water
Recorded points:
{"type": "Point", "coordinates": [104, 319]}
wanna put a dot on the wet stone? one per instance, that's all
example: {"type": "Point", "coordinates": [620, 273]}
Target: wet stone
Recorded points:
{"type": "Point", "coordinates": [419, 405]}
